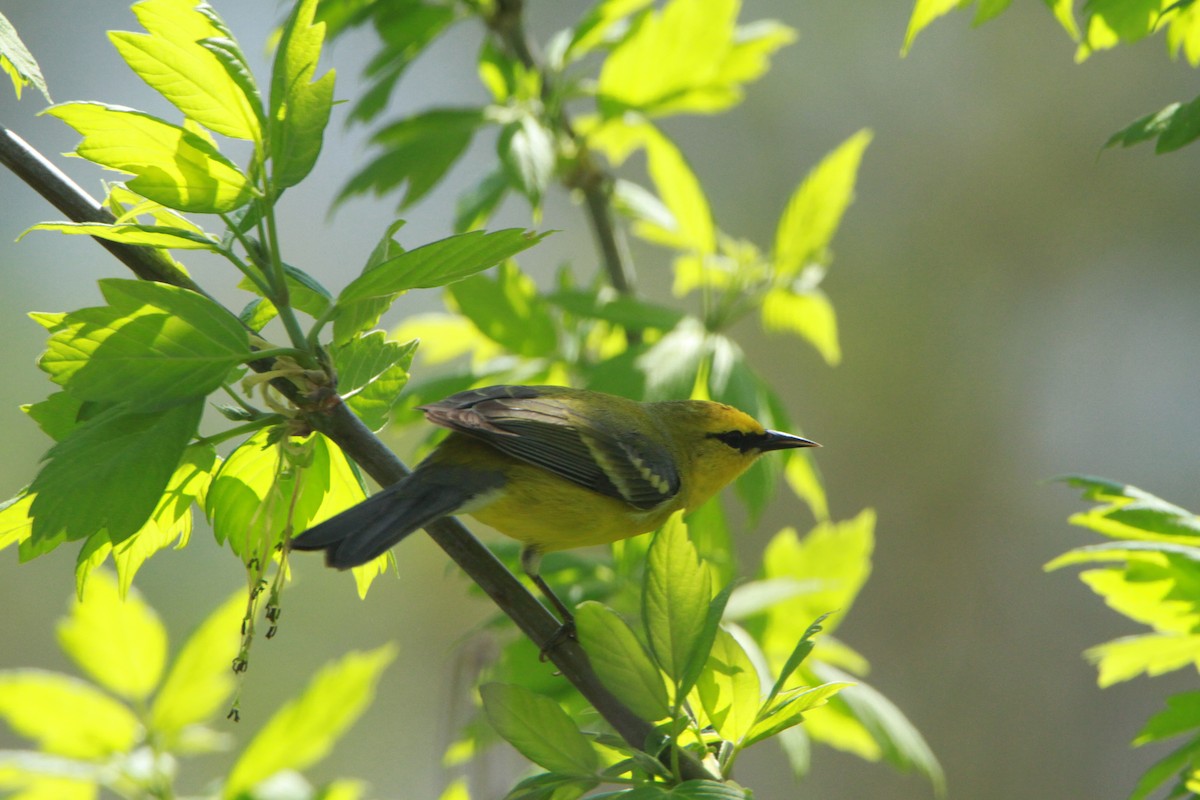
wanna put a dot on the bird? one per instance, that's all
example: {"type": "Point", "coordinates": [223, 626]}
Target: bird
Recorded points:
{"type": "Point", "coordinates": [554, 468]}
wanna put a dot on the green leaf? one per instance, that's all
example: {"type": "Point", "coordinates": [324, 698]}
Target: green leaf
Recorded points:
{"type": "Point", "coordinates": [836, 556]}
{"type": "Point", "coordinates": [57, 415]}
{"type": "Point", "coordinates": [729, 689]}
{"type": "Point", "coordinates": [538, 728]}
{"type": "Point", "coordinates": [672, 363]}
{"type": "Point", "coordinates": [598, 22]}
{"type": "Point", "coordinates": [1128, 512]}
{"type": "Point", "coordinates": [808, 315]}
{"type": "Point", "coordinates": [1174, 126]}
{"type": "Point", "coordinates": [137, 235]}
{"type": "Point", "coordinates": [300, 106]}
{"type": "Point", "coordinates": [675, 598]}
{"type": "Point", "coordinates": [527, 151]}
{"type": "Point", "coordinates": [120, 643]}
{"type": "Point", "coordinates": [508, 310]}
{"type": "Point", "coordinates": [1183, 31]}
{"type": "Point", "coordinates": [171, 521]}
{"type": "Point", "coordinates": [65, 716]}
{"type": "Point", "coordinates": [1151, 654]}
{"type": "Point", "coordinates": [690, 57]}
{"type": "Point", "coordinates": [621, 661]}
{"type": "Point", "coordinates": [552, 786]}
{"type": "Point", "coordinates": [258, 493]}
{"type": "Point", "coordinates": [800, 652]}
{"type": "Point", "coordinates": [1181, 715]}
{"type": "Point", "coordinates": [15, 522]}
{"type": "Point", "coordinates": [901, 744]}
{"type": "Point", "coordinates": [788, 709]}
{"type": "Point", "coordinates": [417, 151]}
{"type": "Point", "coordinates": [815, 210]}
{"type": "Point", "coordinates": [1178, 765]}
{"type": "Point", "coordinates": [372, 372]}
{"type": "Point", "coordinates": [925, 12]}
{"type": "Point", "coordinates": [200, 680]}
{"type": "Point", "coordinates": [438, 263]}
{"type": "Point", "coordinates": [18, 63]}
{"type": "Point", "coordinates": [153, 346]}
{"type": "Point", "coordinates": [405, 27]}
{"type": "Point", "coordinates": [304, 730]}
{"type": "Point", "coordinates": [476, 206]}
{"type": "Point", "coordinates": [170, 165]}
{"type": "Point", "coordinates": [173, 60]}
{"type": "Point", "coordinates": [628, 312]}
{"type": "Point", "coordinates": [137, 452]}
{"type": "Point", "coordinates": [1110, 22]}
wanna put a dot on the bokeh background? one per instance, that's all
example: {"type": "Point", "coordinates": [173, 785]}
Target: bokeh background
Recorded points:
{"type": "Point", "coordinates": [1013, 305]}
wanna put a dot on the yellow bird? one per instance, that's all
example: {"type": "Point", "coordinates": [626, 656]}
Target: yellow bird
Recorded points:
{"type": "Point", "coordinates": [555, 468]}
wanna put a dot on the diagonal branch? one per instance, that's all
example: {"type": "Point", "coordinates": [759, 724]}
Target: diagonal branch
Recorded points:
{"type": "Point", "coordinates": [331, 417]}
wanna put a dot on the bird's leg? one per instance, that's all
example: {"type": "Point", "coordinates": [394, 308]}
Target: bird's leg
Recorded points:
{"type": "Point", "coordinates": [531, 560]}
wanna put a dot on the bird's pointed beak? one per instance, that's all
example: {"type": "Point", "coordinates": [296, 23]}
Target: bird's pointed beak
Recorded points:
{"type": "Point", "coordinates": [778, 440]}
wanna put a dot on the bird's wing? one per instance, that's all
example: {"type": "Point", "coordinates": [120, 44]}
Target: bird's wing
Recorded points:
{"type": "Point", "coordinates": [543, 427]}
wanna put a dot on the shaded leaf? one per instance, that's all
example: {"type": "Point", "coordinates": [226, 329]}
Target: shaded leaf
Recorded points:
{"type": "Point", "coordinates": [675, 598]}
{"type": "Point", "coordinates": [621, 661]}
{"type": "Point", "coordinates": [300, 106]}
{"type": "Point", "coordinates": [538, 728]}
{"type": "Point", "coordinates": [508, 310]}
{"type": "Point", "coordinates": [729, 689]}
{"type": "Point", "coordinates": [137, 451]}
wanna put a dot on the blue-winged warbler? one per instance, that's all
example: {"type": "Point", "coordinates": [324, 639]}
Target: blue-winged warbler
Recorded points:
{"type": "Point", "coordinates": [555, 468]}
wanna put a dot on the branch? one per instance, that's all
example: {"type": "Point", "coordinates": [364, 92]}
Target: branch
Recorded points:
{"type": "Point", "coordinates": [508, 23]}
{"type": "Point", "coordinates": [331, 417]}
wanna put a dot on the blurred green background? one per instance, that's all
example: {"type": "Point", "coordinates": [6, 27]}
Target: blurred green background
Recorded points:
{"type": "Point", "coordinates": [1013, 305]}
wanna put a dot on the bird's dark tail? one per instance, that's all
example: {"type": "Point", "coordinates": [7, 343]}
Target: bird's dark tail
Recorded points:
{"type": "Point", "coordinates": [370, 528]}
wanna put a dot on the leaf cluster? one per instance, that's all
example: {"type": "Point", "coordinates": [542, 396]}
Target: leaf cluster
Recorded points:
{"type": "Point", "coordinates": [125, 727]}
{"type": "Point", "coordinates": [1105, 25]}
{"type": "Point", "coordinates": [1150, 573]}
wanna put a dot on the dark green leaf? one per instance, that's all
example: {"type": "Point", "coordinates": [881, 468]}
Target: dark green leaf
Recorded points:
{"type": "Point", "coordinates": [703, 644]}
{"type": "Point", "coordinates": [1175, 765]}
{"type": "Point", "coordinates": [77, 489]}
{"type": "Point", "coordinates": [1174, 126]}
{"type": "Point", "coordinates": [300, 106]}
{"type": "Point", "coordinates": [417, 151]}
{"type": "Point", "coordinates": [57, 415]}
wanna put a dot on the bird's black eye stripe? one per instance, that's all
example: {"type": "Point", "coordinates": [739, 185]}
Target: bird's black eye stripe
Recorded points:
{"type": "Point", "coordinates": [738, 440]}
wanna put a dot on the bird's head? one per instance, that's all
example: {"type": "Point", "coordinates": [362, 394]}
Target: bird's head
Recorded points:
{"type": "Point", "coordinates": [719, 441]}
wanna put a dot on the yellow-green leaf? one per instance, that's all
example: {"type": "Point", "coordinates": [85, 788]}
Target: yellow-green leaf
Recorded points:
{"type": "Point", "coordinates": [925, 12]}
{"type": "Point", "coordinates": [1152, 653]}
{"type": "Point", "coordinates": [170, 164]}
{"type": "Point", "coordinates": [65, 716]}
{"type": "Point", "coordinates": [305, 729]}
{"type": "Point", "coordinates": [121, 644]}
{"type": "Point", "coordinates": [808, 315]}
{"type": "Point", "coordinates": [729, 688]}
{"type": "Point", "coordinates": [200, 679]}
{"type": "Point", "coordinates": [171, 59]}
{"type": "Point", "coordinates": [675, 597]}
{"type": "Point", "coordinates": [804, 479]}
{"type": "Point", "coordinates": [139, 235]}
{"type": "Point", "coordinates": [815, 209]}
{"type": "Point", "coordinates": [15, 522]}
{"type": "Point", "coordinates": [18, 63]}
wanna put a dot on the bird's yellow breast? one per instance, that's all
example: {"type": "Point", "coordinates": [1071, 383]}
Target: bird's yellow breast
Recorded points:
{"type": "Point", "coordinates": [549, 513]}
